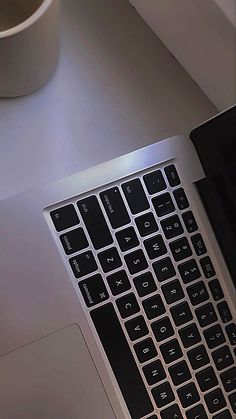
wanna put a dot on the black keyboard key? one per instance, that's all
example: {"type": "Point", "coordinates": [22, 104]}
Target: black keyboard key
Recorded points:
{"type": "Point", "coordinates": [197, 293]}
{"type": "Point", "coordinates": [64, 217]}
{"type": "Point", "coordinates": [172, 227]}
{"type": "Point", "coordinates": [207, 267]}
{"type": "Point", "coordinates": [228, 379]}
{"type": "Point", "coordinates": [163, 394]}
{"type": "Point", "coordinates": [93, 290]}
{"type": "Point", "coordinates": [127, 239]}
{"type": "Point", "coordinates": [224, 312]}
{"type": "Point", "coordinates": [223, 415]}
{"type": "Point", "coordinates": [115, 207]}
{"type": "Point", "coordinates": [136, 328]}
{"type": "Point", "coordinates": [214, 336]}
{"type": "Point", "coordinates": [198, 357]}
{"type": "Point", "coordinates": [163, 204]}
{"type": "Point", "coordinates": [206, 315]}
{"type": "Point", "coordinates": [145, 284]}
{"type": "Point", "coordinates": [109, 259]}
{"type": "Point", "coordinates": [197, 412]}
{"type": "Point", "coordinates": [152, 417]}
{"type": "Point", "coordinates": [232, 400]}
{"type": "Point", "coordinates": [231, 332]}
{"type": "Point", "coordinates": [222, 358]}
{"type": "Point", "coordinates": [190, 222]}
{"type": "Point", "coordinates": [172, 175]}
{"type": "Point", "coordinates": [198, 244]}
{"type": "Point", "coordinates": [154, 372]}
{"type": "Point", "coordinates": [190, 335]}
{"type": "Point", "coordinates": [172, 412]}
{"type": "Point", "coordinates": [172, 291]}
{"type": "Point", "coordinates": [145, 350]}
{"type": "Point", "coordinates": [95, 222]}
{"type": "Point", "coordinates": [171, 351]}
{"type": "Point", "coordinates": [83, 264]}
{"type": "Point", "coordinates": [154, 307]}
{"type": "Point", "coordinates": [136, 261]}
{"type": "Point", "coordinates": [180, 373]}
{"type": "Point", "coordinates": [162, 329]}
{"type": "Point", "coordinates": [118, 282]}
{"type": "Point", "coordinates": [122, 361]}
{"type": "Point", "coordinates": [181, 198]}
{"type": "Point", "coordinates": [216, 289]}
{"type": "Point", "coordinates": [207, 379]}
{"type": "Point", "coordinates": [74, 241]}
{"type": "Point", "coordinates": [155, 247]}
{"type": "Point", "coordinates": [164, 269]}
{"type": "Point", "coordinates": [127, 305]}
{"type": "Point", "coordinates": [154, 182]}
{"type": "Point", "coordinates": [215, 400]}
{"type": "Point", "coordinates": [180, 249]}
{"type": "Point", "coordinates": [146, 224]}
{"type": "Point", "coordinates": [188, 395]}
{"type": "Point", "coordinates": [189, 271]}
{"type": "Point", "coordinates": [135, 196]}
{"type": "Point", "coordinates": [181, 313]}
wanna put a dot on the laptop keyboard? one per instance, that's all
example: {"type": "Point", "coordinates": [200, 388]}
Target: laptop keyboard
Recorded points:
{"type": "Point", "coordinates": [153, 296]}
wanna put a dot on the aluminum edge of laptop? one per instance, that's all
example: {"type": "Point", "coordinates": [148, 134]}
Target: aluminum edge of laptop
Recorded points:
{"type": "Point", "coordinates": [37, 297]}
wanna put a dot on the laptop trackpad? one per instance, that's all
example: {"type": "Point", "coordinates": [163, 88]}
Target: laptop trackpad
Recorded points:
{"type": "Point", "coordinates": [52, 378]}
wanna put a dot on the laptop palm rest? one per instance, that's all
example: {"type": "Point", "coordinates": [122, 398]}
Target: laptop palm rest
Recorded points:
{"type": "Point", "coordinates": [53, 377]}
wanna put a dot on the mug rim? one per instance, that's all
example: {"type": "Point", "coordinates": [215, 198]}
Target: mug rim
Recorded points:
{"type": "Point", "coordinates": [27, 22]}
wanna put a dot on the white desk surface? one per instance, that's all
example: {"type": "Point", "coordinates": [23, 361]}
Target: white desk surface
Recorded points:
{"type": "Point", "coordinates": [117, 88]}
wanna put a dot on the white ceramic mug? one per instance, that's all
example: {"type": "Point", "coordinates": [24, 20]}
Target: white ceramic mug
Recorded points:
{"type": "Point", "coordinates": [29, 44]}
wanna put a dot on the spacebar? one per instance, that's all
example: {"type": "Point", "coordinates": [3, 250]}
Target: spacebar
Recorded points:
{"type": "Point", "coordinates": [121, 359]}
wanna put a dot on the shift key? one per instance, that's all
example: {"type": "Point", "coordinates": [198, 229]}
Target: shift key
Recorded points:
{"type": "Point", "coordinates": [95, 222]}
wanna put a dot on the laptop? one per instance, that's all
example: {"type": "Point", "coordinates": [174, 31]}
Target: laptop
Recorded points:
{"type": "Point", "coordinates": [117, 287]}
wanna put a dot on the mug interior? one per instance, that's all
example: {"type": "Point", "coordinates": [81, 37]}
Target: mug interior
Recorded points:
{"type": "Point", "coordinates": [14, 12]}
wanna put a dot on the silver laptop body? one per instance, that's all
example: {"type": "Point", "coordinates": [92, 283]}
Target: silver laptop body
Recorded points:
{"type": "Point", "coordinates": [75, 345]}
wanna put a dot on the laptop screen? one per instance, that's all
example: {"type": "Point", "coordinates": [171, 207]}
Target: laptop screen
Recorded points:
{"type": "Point", "coordinates": [215, 142]}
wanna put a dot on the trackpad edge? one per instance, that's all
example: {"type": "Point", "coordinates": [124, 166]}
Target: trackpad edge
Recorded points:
{"type": "Point", "coordinates": [54, 377]}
